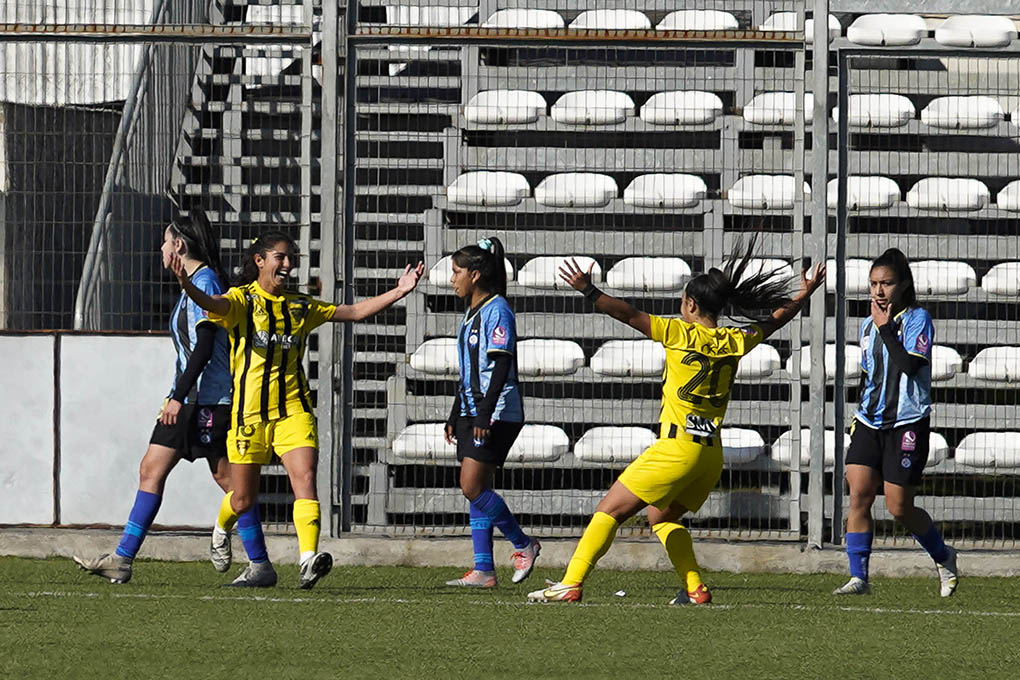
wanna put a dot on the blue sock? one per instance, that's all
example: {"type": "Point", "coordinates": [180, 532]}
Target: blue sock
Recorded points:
{"type": "Point", "coordinates": [491, 504]}
{"type": "Point", "coordinates": [481, 539]}
{"type": "Point", "coordinates": [932, 542]}
{"type": "Point", "coordinates": [139, 520]}
{"type": "Point", "coordinates": [858, 550]}
{"type": "Point", "coordinates": [250, 528]}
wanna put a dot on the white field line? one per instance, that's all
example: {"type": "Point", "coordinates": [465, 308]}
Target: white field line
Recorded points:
{"type": "Point", "coordinates": [490, 603]}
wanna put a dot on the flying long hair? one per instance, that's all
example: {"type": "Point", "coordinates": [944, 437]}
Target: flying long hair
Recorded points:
{"type": "Point", "coordinates": [249, 271]}
{"type": "Point", "coordinates": [200, 240]}
{"type": "Point", "coordinates": [894, 259]}
{"type": "Point", "coordinates": [486, 258]}
{"type": "Point", "coordinates": [727, 290]}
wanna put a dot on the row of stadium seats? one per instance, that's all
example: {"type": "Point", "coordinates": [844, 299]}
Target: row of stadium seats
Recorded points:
{"type": "Point", "coordinates": [869, 29]}
{"type": "Point", "coordinates": [690, 107]}
{"type": "Point", "coordinates": [424, 442]}
{"type": "Point", "coordinates": [663, 274]}
{"type": "Point", "coordinates": [678, 190]}
{"type": "Point", "coordinates": [646, 358]}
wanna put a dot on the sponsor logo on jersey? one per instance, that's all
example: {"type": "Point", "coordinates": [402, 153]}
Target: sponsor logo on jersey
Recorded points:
{"type": "Point", "coordinates": [699, 426]}
{"type": "Point", "coordinates": [262, 339]}
{"type": "Point", "coordinates": [909, 441]}
{"type": "Point", "coordinates": [499, 336]}
{"type": "Point", "coordinates": [922, 344]}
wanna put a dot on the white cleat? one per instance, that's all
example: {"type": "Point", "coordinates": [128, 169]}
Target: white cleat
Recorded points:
{"type": "Point", "coordinates": [556, 592]}
{"type": "Point", "coordinates": [256, 575]}
{"type": "Point", "coordinates": [855, 586]}
{"type": "Point", "coordinates": [474, 578]}
{"type": "Point", "coordinates": [949, 575]}
{"type": "Point", "coordinates": [523, 560]}
{"type": "Point", "coordinates": [113, 567]}
{"type": "Point", "coordinates": [221, 553]}
{"type": "Point", "coordinates": [314, 568]}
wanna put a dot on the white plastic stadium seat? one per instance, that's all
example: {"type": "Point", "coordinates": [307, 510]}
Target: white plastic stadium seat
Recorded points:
{"type": "Point", "coordinates": [549, 357]}
{"type": "Point", "coordinates": [592, 107]}
{"type": "Point", "coordinates": [698, 20]}
{"type": "Point", "coordinates": [938, 450]}
{"type": "Point", "coordinates": [1009, 197]}
{"type": "Point", "coordinates": [782, 448]}
{"type": "Point", "coordinates": [543, 272]}
{"type": "Point", "coordinates": [989, 450]}
{"type": "Point", "coordinates": [437, 356]}
{"type": "Point", "coordinates": [887, 29]}
{"type": "Point", "coordinates": [613, 444]}
{"type": "Point", "coordinates": [485, 187]}
{"type": "Point", "coordinates": [1002, 279]}
{"type": "Point", "coordinates": [649, 273]}
{"type": "Point", "coordinates": [629, 358]}
{"type": "Point", "coordinates": [864, 193]}
{"type": "Point", "coordinates": [504, 107]}
{"type": "Point", "coordinates": [741, 446]}
{"type": "Point", "coordinates": [576, 190]}
{"type": "Point", "coordinates": [851, 363]}
{"type": "Point", "coordinates": [611, 19]}
{"type": "Point", "coordinates": [682, 107]}
{"type": "Point", "coordinates": [524, 18]}
{"type": "Point", "coordinates": [765, 192]}
{"type": "Point", "coordinates": [878, 110]}
{"type": "Point", "coordinates": [760, 362]}
{"type": "Point", "coordinates": [665, 190]}
{"type": "Point", "coordinates": [776, 108]}
{"type": "Point", "coordinates": [857, 273]}
{"type": "Point", "coordinates": [424, 442]}
{"type": "Point", "coordinates": [539, 444]}
{"type": "Point", "coordinates": [787, 21]}
{"type": "Point", "coordinates": [976, 31]}
{"type": "Point", "coordinates": [942, 277]}
{"type": "Point", "coordinates": [957, 113]}
{"type": "Point", "coordinates": [945, 363]}
{"type": "Point", "coordinates": [996, 364]}
{"type": "Point", "coordinates": [948, 193]}
{"type": "Point", "coordinates": [435, 16]}
{"type": "Point", "coordinates": [441, 271]}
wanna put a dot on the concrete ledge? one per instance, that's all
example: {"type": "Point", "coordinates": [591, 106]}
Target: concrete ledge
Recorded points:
{"type": "Point", "coordinates": [633, 554]}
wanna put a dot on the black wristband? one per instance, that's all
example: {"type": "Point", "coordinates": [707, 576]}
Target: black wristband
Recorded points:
{"type": "Point", "coordinates": [591, 292]}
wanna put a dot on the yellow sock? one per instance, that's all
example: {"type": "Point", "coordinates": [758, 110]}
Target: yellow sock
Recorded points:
{"type": "Point", "coordinates": [680, 548]}
{"type": "Point", "coordinates": [227, 518]}
{"type": "Point", "coordinates": [594, 543]}
{"type": "Point", "coordinates": [306, 523]}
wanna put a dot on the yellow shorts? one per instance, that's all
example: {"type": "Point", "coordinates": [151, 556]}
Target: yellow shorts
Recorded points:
{"type": "Point", "coordinates": [675, 470]}
{"type": "Point", "coordinates": [255, 443]}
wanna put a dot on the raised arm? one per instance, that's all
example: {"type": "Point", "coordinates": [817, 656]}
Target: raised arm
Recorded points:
{"type": "Point", "coordinates": [216, 304]}
{"type": "Point", "coordinates": [366, 308]}
{"type": "Point", "coordinates": [607, 304]}
{"type": "Point", "coordinates": [781, 316]}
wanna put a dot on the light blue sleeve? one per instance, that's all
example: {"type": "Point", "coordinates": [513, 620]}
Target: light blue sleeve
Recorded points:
{"type": "Point", "coordinates": [500, 329]}
{"type": "Point", "coordinates": [208, 282]}
{"type": "Point", "coordinates": [919, 333]}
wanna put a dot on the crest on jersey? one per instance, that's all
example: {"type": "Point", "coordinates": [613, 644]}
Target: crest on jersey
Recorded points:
{"type": "Point", "coordinates": [499, 336]}
{"type": "Point", "coordinates": [473, 339]}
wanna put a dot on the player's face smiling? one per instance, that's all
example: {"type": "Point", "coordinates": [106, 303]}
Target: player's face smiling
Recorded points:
{"type": "Point", "coordinates": [275, 267]}
{"type": "Point", "coordinates": [884, 287]}
{"type": "Point", "coordinates": [462, 281]}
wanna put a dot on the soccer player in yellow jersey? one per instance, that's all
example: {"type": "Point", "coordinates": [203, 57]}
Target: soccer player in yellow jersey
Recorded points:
{"type": "Point", "coordinates": [676, 473]}
{"type": "Point", "coordinates": [268, 327]}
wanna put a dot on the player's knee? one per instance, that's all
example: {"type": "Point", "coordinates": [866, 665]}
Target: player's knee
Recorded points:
{"type": "Point", "coordinates": [861, 499]}
{"type": "Point", "coordinates": [151, 473]}
{"type": "Point", "coordinates": [471, 489]}
{"type": "Point", "coordinates": [899, 508]}
{"type": "Point", "coordinates": [241, 502]}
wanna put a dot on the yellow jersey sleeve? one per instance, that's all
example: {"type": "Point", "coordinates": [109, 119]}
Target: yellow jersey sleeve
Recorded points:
{"type": "Point", "coordinates": [747, 338]}
{"type": "Point", "coordinates": [319, 312]}
{"type": "Point", "coordinates": [672, 333]}
{"type": "Point", "coordinates": [238, 306]}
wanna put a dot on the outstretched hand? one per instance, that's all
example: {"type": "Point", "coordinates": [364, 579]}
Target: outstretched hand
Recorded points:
{"type": "Point", "coordinates": [809, 285]}
{"type": "Point", "coordinates": [409, 279]}
{"type": "Point", "coordinates": [571, 272]}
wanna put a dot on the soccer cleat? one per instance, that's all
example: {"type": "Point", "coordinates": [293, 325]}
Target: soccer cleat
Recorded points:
{"type": "Point", "coordinates": [314, 568]}
{"type": "Point", "coordinates": [113, 567]}
{"type": "Point", "coordinates": [948, 574]}
{"type": "Point", "coordinates": [855, 586]}
{"type": "Point", "coordinates": [220, 550]}
{"type": "Point", "coordinates": [557, 592]}
{"type": "Point", "coordinates": [523, 560]}
{"type": "Point", "coordinates": [700, 595]}
{"type": "Point", "coordinates": [256, 575]}
{"type": "Point", "coordinates": [474, 578]}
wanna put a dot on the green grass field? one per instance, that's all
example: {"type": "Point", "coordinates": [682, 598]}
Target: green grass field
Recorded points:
{"type": "Point", "coordinates": [173, 621]}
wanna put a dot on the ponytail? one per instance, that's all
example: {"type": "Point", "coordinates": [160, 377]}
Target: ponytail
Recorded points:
{"type": "Point", "coordinates": [249, 271]}
{"type": "Point", "coordinates": [200, 240]}
{"type": "Point", "coordinates": [894, 259]}
{"type": "Point", "coordinates": [753, 297]}
{"type": "Point", "coordinates": [486, 258]}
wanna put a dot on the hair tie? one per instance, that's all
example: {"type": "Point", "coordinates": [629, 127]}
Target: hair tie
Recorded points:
{"type": "Point", "coordinates": [485, 244]}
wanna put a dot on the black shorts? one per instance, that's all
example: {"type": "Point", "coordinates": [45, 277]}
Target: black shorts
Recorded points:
{"type": "Point", "coordinates": [493, 450]}
{"type": "Point", "coordinates": [899, 454]}
{"type": "Point", "coordinates": [200, 432]}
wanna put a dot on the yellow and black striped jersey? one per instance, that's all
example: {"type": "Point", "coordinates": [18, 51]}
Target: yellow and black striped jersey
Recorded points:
{"type": "Point", "coordinates": [701, 364]}
{"type": "Point", "coordinates": [268, 336]}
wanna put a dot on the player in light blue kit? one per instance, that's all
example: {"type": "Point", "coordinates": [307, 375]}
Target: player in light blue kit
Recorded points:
{"type": "Point", "coordinates": [488, 412]}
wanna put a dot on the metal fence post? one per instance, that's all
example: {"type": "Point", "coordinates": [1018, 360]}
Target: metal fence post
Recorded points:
{"type": "Point", "coordinates": [839, 396]}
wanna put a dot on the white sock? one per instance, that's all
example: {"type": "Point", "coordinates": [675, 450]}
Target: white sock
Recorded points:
{"type": "Point", "coordinates": [220, 531]}
{"type": "Point", "coordinates": [306, 555]}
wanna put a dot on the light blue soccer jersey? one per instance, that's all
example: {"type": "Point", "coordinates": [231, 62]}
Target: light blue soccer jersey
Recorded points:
{"type": "Point", "coordinates": [214, 384]}
{"type": "Point", "coordinates": [491, 329]}
{"type": "Point", "coordinates": [891, 398]}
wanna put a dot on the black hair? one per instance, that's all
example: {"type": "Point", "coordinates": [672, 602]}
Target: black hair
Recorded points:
{"type": "Point", "coordinates": [486, 258]}
{"type": "Point", "coordinates": [249, 271]}
{"type": "Point", "coordinates": [753, 297]}
{"type": "Point", "coordinates": [201, 242]}
{"type": "Point", "coordinates": [894, 259]}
